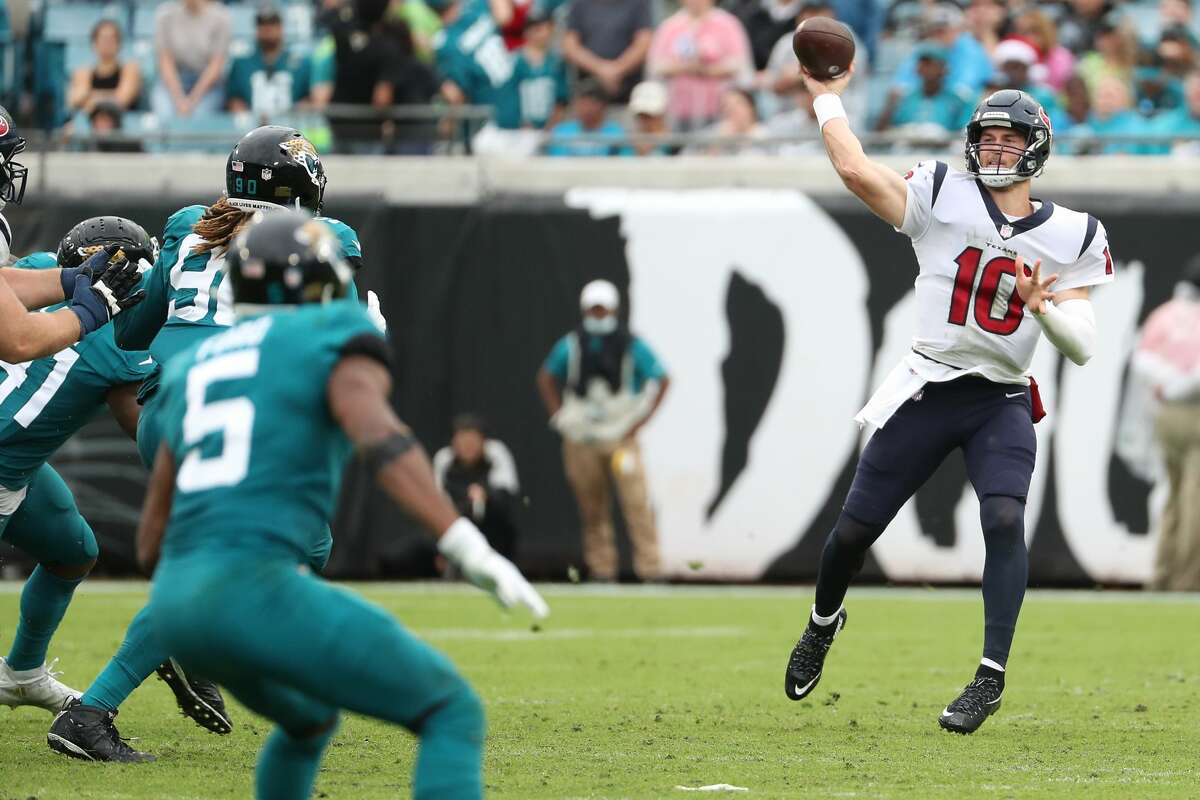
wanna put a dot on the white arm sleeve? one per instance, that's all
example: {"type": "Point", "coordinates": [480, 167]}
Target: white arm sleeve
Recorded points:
{"type": "Point", "coordinates": [1071, 327]}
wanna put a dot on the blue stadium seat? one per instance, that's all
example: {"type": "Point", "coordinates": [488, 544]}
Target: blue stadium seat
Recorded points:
{"type": "Point", "coordinates": [73, 21]}
{"type": "Point", "coordinates": [143, 19]}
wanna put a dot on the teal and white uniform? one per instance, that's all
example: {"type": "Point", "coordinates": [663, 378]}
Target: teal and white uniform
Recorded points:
{"type": "Point", "coordinates": [259, 464]}
{"type": "Point", "coordinates": [42, 404]}
{"type": "Point", "coordinates": [187, 301]}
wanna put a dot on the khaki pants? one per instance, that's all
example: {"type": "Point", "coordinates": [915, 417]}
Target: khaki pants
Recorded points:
{"type": "Point", "coordinates": [1177, 567]}
{"type": "Point", "coordinates": [590, 468]}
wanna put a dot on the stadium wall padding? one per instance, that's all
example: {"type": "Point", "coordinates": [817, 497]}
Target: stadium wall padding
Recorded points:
{"type": "Point", "coordinates": [775, 314]}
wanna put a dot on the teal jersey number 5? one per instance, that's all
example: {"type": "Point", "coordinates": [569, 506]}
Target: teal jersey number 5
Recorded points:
{"type": "Point", "coordinates": [246, 420]}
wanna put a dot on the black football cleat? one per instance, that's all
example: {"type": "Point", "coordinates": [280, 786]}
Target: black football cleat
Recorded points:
{"type": "Point", "coordinates": [808, 657]}
{"type": "Point", "coordinates": [88, 733]}
{"type": "Point", "coordinates": [977, 702]}
{"type": "Point", "coordinates": [197, 698]}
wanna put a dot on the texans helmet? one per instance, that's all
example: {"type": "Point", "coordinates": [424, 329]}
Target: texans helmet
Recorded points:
{"type": "Point", "coordinates": [274, 166]}
{"type": "Point", "coordinates": [12, 174]}
{"type": "Point", "coordinates": [286, 258]}
{"type": "Point", "coordinates": [90, 235]}
{"type": "Point", "coordinates": [1010, 108]}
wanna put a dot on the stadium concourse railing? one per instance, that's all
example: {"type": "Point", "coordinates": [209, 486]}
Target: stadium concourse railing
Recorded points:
{"type": "Point", "coordinates": [439, 129]}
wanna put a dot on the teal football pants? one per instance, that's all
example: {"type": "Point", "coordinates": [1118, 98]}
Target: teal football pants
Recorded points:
{"type": "Point", "coordinates": [297, 650]}
{"type": "Point", "coordinates": [48, 526]}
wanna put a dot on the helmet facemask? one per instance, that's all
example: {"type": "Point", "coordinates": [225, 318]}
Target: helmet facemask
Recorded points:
{"type": "Point", "coordinates": [12, 183]}
{"type": "Point", "coordinates": [1030, 159]}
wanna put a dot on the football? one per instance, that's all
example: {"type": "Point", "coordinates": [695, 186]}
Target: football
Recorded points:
{"type": "Point", "coordinates": [824, 46]}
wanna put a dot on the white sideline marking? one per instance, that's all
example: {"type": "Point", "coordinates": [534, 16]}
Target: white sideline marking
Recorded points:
{"type": "Point", "coordinates": [738, 591]}
{"type": "Point", "coordinates": [494, 635]}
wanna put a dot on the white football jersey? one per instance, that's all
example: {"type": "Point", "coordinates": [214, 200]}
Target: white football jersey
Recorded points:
{"type": "Point", "coordinates": [5, 240]}
{"type": "Point", "coordinates": [970, 319]}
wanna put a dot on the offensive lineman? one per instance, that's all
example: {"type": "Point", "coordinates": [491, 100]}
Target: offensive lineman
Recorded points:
{"type": "Point", "coordinates": [189, 299]}
{"type": "Point", "coordinates": [94, 291]}
{"type": "Point", "coordinates": [237, 496]}
{"type": "Point", "coordinates": [966, 383]}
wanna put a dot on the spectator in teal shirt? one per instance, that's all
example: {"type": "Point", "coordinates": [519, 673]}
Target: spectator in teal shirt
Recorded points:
{"type": "Point", "coordinates": [932, 103]}
{"type": "Point", "coordinates": [540, 74]}
{"type": "Point", "coordinates": [1112, 116]}
{"type": "Point", "coordinates": [272, 79]}
{"type": "Point", "coordinates": [967, 61]}
{"type": "Point", "coordinates": [590, 109]}
{"type": "Point", "coordinates": [475, 66]}
{"type": "Point", "coordinates": [1182, 122]}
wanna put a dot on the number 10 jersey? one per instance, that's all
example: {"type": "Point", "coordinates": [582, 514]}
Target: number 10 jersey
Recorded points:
{"type": "Point", "coordinates": [970, 319]}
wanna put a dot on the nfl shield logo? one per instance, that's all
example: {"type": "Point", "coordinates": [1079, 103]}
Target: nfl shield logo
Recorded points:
{"type": "Point", "coordinates": [1005, 231]}
{"type": "Point", "coordinates": [266, 174]}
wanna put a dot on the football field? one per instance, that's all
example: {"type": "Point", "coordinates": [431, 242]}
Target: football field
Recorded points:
{"type": "Point", "coordinates": [632, 692]}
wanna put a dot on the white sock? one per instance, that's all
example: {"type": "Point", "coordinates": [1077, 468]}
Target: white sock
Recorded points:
{"type": "Point", "coordinates": [987, 662]}
{"type": "Point", "coordinates": [817, 618]}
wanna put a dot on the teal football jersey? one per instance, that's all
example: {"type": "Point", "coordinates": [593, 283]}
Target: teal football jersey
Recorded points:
{"type": "Point", "coordinates": [187, 296]}
{"type": "Point", "coordinates": [258, 456]}
{"type": "Point", "coordinates": [44, 402]}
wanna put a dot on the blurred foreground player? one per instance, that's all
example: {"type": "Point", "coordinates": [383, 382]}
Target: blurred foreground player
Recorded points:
{"type": "Point", "coordinates": [188, 300]}
{"type": "Point", "coordinates": [258, 423]}
{"type": "Point", "coordinates": [980, 314]}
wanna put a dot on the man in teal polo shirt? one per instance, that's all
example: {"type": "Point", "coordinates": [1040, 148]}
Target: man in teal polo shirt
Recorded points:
{"type": "Point", "coordinates": [600, 385]}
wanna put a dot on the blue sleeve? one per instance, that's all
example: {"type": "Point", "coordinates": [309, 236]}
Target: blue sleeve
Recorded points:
{"type": "Point", "coordinates": [237, 86]}
{"type": "Point", "coordinates": [646, 366]}
{"type": "Point", "coordinates": [557, 362]}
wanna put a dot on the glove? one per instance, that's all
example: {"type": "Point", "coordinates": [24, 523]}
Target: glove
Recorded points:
{"type": "Point", "coordinates": [465, 547]}
{"type": "Point", "coordinates": [96, 302]}
{"type": "Point", "coordinates": [98, 262]}
{"type": "Point", "coordinates": [374, 313]}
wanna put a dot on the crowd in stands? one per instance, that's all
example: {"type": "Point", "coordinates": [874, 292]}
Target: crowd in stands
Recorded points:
{"type": "Point", "coordinates": [596, 77]}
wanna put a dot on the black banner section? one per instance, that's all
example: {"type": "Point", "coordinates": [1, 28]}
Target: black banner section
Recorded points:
{"type": "Point", "coordinates": [475, 298]}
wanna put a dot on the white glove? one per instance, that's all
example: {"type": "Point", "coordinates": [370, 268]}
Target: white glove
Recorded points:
{"type": "Point", "coordinates": [374, 313]}
{"type": "Point", "coordinates": [465, 547]}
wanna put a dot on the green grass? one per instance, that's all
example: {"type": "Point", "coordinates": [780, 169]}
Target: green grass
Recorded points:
{"type": "Point", "coordinates": [628, 694]}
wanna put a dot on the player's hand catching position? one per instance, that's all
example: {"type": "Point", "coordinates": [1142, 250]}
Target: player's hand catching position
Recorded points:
{"type": "Point", "coordinates": [1034, 291]}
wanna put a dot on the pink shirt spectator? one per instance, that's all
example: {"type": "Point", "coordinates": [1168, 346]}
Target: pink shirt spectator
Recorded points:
{"type": "Point", "coordinates": [699, 51]}
{"type": "Point", "coordinates": [1059, 63]}
{"type": "Point", "coordinates": [1173, 334]}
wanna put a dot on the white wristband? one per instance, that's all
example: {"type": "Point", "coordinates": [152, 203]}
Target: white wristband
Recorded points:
{"type": "Point", "coordinates": [828, 106]}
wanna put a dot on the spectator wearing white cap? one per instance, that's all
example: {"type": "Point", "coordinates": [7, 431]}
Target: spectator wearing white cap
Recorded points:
{"type": "Point", "coordinates": [1017, 68]}
{"type": "Point", "coordinates": [648, 109]}
{"type": "Point", "coordinates": [600, 385]}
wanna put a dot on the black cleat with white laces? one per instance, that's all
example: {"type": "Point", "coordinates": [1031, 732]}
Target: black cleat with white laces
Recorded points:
{"type": "Point", "coordinates": [977, 702]}
{"type": "Point", "coordinates": [88, 733]}
{"type": "Point", "coordinates": [808, 657]}
{"type": "Point", "coordinates": [198, 698]}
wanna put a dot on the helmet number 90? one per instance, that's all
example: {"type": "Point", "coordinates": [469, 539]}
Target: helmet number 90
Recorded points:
{"type": "Point", "coordinates": [247, 186]}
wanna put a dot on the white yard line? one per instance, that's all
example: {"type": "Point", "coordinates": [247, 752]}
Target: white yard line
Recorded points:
{"type": "Point", "coordinates": [622, 591]}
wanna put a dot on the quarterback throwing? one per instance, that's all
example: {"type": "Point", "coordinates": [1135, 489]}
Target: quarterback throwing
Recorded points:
{"type": "Point", "coordinates": [998, 269]}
